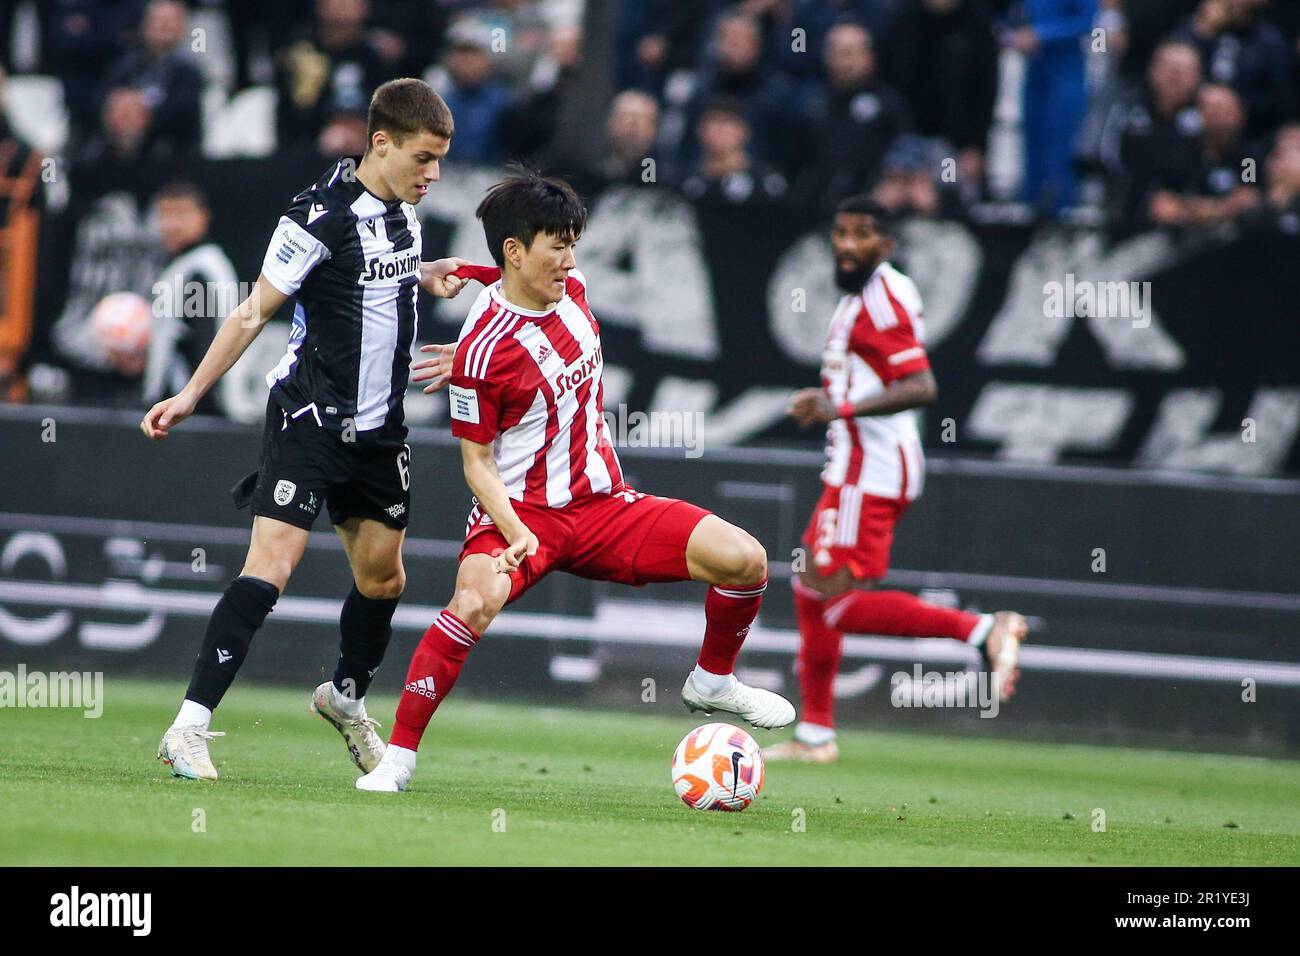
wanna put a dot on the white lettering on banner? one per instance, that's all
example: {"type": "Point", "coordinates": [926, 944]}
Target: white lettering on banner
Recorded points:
{"type": "Point", "coordinates": [116, 250]}
{"type": "Point", "coordinates": [112, 593]}
{"type": "Point", "coordinates": [666, 294]}
{"type": "Point", "coordinates": [1037, 423]}
{"type": "Point", "coordinates": [1181, 438]}
{"type": "Point", "coordinates": [46, 548]}
{"type": "Point", "coordinates": [1025, 333]}
{"type": "Point", "coordinates": [645, 262]}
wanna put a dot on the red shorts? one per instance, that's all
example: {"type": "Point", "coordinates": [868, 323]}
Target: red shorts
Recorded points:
{"type": "Point", "coordinates": [627, 538]}
{"type": "Point", "coordinates": [849, 528]}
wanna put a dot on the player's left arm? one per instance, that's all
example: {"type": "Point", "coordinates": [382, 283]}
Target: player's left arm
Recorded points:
{"type": "Point", "coordinates": [440, 277]}
{"type": "Point", "coordinates": [886, 338]}
{"type": "Point", "coordinates": [437, 370]}
{"type": "Point", "coordinates": [812, 406]}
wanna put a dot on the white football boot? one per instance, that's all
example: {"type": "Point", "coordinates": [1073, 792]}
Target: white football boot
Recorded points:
{"type": "Point", "coordinates": [393, 773]}
{"type": "Point", "coordinates": [1001, 651]}
{"type": "Point", "coordinates": [797, 750]}
{"type": "Point", "coordinates": [762, 708]}
{"type": "Point", "coordinates": [364, 745]}
{"type": "Point", "coordinates": [185, 750]}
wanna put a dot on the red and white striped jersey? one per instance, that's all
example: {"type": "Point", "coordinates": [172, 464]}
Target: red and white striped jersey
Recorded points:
{"type": "Point", "coordinates": [875, 338]}
{"type": "Point", "coordinates": [530, 384]}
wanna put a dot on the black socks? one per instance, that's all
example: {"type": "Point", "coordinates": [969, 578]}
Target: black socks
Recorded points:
{"type": "Point", "coordinates": [238, 614]}
{"type": "Point", "coordinates": [366, 627]}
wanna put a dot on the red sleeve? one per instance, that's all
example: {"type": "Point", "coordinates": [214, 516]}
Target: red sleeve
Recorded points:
{"type": "Point", "coordinates": [474, 403]}
{"type": "Point", "coordinates": [887, 341]}
{"type": "Point", "coordinates": [484, 274]}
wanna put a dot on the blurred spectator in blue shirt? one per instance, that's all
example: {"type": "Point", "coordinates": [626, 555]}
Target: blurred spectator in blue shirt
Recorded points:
{"type": "Point", "coordinates": [476, 98]}
{"type": "Point", "coordinates": [1050, 34]}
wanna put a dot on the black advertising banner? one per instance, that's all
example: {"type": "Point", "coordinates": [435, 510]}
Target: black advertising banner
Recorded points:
{"type": "Point", "coordinates": [1050, 344]}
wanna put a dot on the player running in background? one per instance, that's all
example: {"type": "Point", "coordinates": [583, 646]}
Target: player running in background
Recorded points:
{"type": "Point", "coordinates": [349, 249]}
{"type": "Point", "coordinates": [526, 400]}
{"type": "Point", "coordinates": [874, 374]}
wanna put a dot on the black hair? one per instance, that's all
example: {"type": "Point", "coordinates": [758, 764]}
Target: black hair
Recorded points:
{"type": "Point", "coordinates": [182, 189]}
{"type": "Point", "coordinates": [864, 205]}
{"type": "Point", "coordinates": [526, 204]}
{"type": "Point", "coordinates": [722, 103]}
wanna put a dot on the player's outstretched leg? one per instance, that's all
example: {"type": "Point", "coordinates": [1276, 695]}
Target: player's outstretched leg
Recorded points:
{"type": "Point", "coordinates": [274, 552]}
{"type": "Point", "coordinates": [735, 564]}
{"type": "Point", "coordinates": [997, 636]}
{"type": "Point", "coordinates": [481, 592]}
{"type": "Point", "coordinates": [365, 627]}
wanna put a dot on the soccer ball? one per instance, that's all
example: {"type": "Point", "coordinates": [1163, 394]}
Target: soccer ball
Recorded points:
{"type": "Point", "coordinates": [717, 767]}
{"type": "Point", "coordinates": [121, 323]}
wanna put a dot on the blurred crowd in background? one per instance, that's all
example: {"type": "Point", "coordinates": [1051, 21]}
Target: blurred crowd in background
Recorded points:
{"type": "Point", "coordinates": [1130, 114]}
{"type": "Point", "coordinates": [1144, 108]}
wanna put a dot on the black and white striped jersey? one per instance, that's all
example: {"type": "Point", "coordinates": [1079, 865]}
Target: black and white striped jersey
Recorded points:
{"type": "Point", "coordinates": [353, 261]}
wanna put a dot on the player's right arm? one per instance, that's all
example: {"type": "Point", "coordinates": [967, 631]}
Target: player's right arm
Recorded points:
{"type": "Point", "coordinates": [485, 481]}
{"type": "Point", "coordinates": [232, 339]}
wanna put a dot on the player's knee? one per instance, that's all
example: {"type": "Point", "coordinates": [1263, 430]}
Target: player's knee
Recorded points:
{"type": "Point", "coordinates": [837, 583]}
{"type": "Point", "coordinates": [474, 607]}
{"type": "Point", "coordinates": [275, 572]}
{"type": "Point", "coordinates": [383, 586]}
{"type": "Point", "coordinates": [746, 560]}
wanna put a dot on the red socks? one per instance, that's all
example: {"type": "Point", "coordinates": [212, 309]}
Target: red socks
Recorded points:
{"type": "Point", "coordinates": [819, 657]}
{"type": "Point", "coordinates": [434, 668]}
{"type": "Point", "coordinates": [728, 613]}
{"type": "Point", "coordinates": [896, 613]}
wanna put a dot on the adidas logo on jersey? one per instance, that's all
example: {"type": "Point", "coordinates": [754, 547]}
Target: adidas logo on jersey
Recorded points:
{"type": "Point", "coordinates": [543, 354]}
{"type": "Point", "coordinates": [424, 687]}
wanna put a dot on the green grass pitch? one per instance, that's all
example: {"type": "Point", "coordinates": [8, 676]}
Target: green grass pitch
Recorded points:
{"type": "Point", "coordinates": [513, 784]}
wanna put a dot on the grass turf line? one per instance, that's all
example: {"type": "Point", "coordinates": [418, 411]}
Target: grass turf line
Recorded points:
{"type": "Point", "coordinates": [579, 786]}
